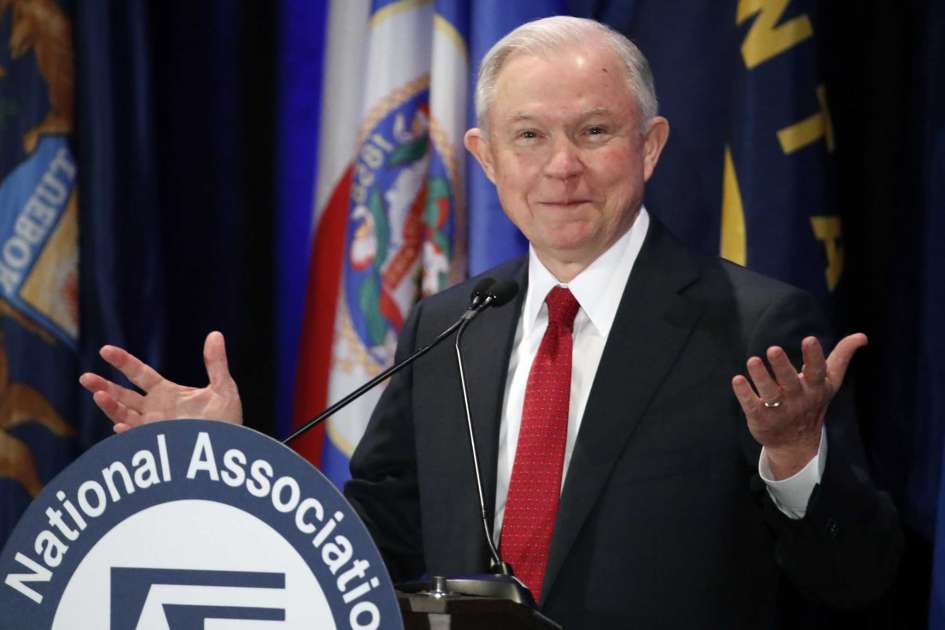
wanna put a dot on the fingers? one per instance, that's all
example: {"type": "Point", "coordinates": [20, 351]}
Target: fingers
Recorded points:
{"type": "Point", "coordinates": [214, 357]}
{"type": "Point", "coordinates": [783, 383]}
{"type": "Point", "coordinates": [839, 360]}
{"type": "Point", "coordinates": [95, 383]}
{"type": "Point", "coordinates": [116, 412]}
{"type": "Point", "coordinates": [784, 372]}
{"type": "Point", "coordinates": [815, 366]}
{"type": "Point", "coordinates": [749, 402]}
{"type": "Point", "coordinates": [138, 372]}
{"type": "Point", "coordinates": [768, 389]}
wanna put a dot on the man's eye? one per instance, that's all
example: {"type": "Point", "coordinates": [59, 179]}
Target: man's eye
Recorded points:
{"type": "Point", "coordinates": [528, 134]}
{"type": "Point", "coordinates": [596, 130]}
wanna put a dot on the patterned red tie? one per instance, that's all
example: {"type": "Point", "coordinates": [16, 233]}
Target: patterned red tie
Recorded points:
{"type": "Point", "coordinates": [535, 486]}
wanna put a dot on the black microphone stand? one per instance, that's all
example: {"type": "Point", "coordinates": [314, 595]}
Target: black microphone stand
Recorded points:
{"type": "Point", "coordinates": [500, 583]}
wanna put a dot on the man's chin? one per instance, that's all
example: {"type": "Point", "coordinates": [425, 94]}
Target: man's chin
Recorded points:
{"type": "Point", "coordinates": [569, 252]}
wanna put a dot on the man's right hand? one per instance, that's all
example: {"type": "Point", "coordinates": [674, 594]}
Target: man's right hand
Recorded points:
{"type": "Point", "coordinates": [162, 399]}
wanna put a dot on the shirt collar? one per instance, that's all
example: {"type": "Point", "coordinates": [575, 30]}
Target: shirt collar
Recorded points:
{"type": "Point", "coordinates": [599, 288]}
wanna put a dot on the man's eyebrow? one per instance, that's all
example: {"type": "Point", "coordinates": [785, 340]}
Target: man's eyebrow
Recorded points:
{"type": "Point", "coordinates": [521, 116]}
{"type": "Point", "coordinates": [596, 111]}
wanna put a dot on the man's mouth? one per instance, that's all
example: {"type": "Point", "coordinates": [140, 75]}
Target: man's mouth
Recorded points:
{"type": "Point", "coordinates": [564, 203]}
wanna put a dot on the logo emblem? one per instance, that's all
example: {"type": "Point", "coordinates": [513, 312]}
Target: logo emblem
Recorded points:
{"type": "Point", "coordinates": [401, 215]}
{"type": "Point", "coordinates": [131, 588]}
{"type": "Point", "coordinates": [181, 522]}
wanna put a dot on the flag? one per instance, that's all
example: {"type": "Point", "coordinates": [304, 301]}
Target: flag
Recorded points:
{"type": "Point", "coordinates": [47, 228]}
{"type": "Point", "coordinates": [749, 169]}
{"type": "Point", "coordinates": [39, 252]}
{"type": "Point", "coordinates": [394, 212]}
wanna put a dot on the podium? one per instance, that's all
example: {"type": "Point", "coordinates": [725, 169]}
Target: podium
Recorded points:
{"type": "Point", "coordinates": [177, 523]}
{"type": "Point", "coordinates": [442, 608]}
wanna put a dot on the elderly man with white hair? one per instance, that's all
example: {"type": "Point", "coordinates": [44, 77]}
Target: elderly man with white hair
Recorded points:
{"type": "Point", "coordinates": [633, 476]}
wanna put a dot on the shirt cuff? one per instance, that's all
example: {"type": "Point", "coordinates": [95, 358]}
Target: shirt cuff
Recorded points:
{"type": "Point", "coordinates": [792, 494]}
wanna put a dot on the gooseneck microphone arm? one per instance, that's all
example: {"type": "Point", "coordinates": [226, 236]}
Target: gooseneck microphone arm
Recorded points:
{"type": "Point", "coordinates": [480, 299]}
{"type": "Point", "coordinates": [498, 566]}
{"type": "Point", "coordinates": [501, 584]}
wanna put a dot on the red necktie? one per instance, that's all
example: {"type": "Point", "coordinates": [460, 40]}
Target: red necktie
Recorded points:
{"type": "Point", "coordinates": [535, 486]}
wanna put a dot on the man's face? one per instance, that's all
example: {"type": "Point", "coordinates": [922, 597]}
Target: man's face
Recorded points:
{"type": "Point", "coordinates": [567, 154]}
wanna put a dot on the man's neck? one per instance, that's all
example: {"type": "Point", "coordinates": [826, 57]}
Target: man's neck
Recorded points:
{"type": "Point", "coordinates": [565, 268]}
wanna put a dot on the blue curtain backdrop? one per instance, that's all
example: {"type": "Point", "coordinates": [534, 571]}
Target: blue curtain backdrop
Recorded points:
{"type": "Point", "coordinates": [121, 247]}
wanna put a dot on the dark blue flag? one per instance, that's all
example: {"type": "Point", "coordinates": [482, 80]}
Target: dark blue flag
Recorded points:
{"type": "Point", "coordinates": [39, 252]}
{"type": "Point", "coordinates": [748, 172]}
{"type": "Point", "coordinates": [76, 270]}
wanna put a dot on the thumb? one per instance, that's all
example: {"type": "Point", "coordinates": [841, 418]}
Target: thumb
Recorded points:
{"type": "Point", "coordinates": [214, 357]}
{"type": "Point", "coordinates": [839, 359]}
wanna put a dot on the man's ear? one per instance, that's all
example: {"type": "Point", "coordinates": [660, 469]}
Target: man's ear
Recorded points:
{"type": "Point", "coordinates": [653, 142]}
{"type": "Point", "coordinates": [477, 143]}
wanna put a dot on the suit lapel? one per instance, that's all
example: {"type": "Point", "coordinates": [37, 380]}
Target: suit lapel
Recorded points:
{"type": "Point", "coordinates": [652, 324]}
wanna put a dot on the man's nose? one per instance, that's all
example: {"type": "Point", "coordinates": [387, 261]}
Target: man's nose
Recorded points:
{"type": "Point", "coordinates": [564, 160]}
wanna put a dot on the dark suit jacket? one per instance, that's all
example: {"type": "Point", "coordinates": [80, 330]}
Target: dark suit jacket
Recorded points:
{"type": "Point", "coordinates": [663, 521]}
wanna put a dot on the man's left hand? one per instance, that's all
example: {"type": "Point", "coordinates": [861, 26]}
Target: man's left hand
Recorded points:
{"type": "Point", "coordinates": [788, 410]}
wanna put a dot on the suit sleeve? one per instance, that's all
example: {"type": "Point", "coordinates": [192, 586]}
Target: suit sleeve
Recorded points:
{"type": "Point", "coordinates": [383, 487]}
{"type": "Point", "coordinates": [845, 551]}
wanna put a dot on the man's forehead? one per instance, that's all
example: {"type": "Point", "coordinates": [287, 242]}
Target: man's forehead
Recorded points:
{"type": "Point", "coordinates": [579, 63]}
{"type": "Point", "coordinates": [570, 84]}
{"type": "Point", "coordinates": [553, 53]}
{"type": "Point", "coordinates": [598, 51]}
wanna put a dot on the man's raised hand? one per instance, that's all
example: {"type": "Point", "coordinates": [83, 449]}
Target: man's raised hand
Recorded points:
{"type": "Point", "coordinates": [162, 399]}
{"type": "Point", "coordinates": [788, 410]}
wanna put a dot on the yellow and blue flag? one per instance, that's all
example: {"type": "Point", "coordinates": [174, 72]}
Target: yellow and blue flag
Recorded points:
{"type": "Point", "coordinates": [749, 170]}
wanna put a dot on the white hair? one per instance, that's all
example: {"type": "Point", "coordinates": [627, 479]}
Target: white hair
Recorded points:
{"type": "Point", "coordinates": [548, 35]}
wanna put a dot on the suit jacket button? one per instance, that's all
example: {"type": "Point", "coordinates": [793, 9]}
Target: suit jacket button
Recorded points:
{"type": "Point", "coordinates": [832, 527]}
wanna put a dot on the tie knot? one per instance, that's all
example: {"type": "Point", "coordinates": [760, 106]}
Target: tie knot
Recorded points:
{"type": "Point", "coordinates": [562, 307]}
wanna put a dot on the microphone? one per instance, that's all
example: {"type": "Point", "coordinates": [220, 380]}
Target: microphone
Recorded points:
{"type": "Point", "coordinates": [479, 292]}
{"type": "Point", "coordinates": [488, 293]}
{"type": "Point", "coordinates": [485, 294]}
{"type": "Point", "coordinates": [501, 584]}
{"type": "Point", "coordinates": [502, 292]}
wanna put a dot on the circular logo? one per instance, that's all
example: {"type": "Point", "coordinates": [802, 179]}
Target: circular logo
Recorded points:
{"type": "Point", "coordinates": [193, 524]}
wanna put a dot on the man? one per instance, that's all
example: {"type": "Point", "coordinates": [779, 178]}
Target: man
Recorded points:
{"type": "Point", "coordinates": [623, 463]}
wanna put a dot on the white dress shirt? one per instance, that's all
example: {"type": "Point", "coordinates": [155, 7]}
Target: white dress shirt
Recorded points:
{"type": "Point", "coordinates": [599, 289]}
